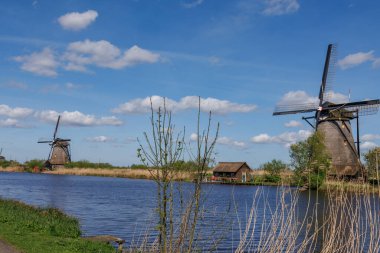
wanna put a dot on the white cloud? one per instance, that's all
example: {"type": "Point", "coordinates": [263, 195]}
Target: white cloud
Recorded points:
{"type": "Point", "coordinates": [286, 138]}
{"type": "Point", "coordinates": [192, 4]}
{"type": "Point", "coordinates": [16, 112]}
{"type": "Point", "coordinates": [370, 137]}
{"type": "Point", "coordinates": [295, 100]}
{"type": "Point", "coordinates": [298, 100]}
{"type": "Point", "coordinates": [280, 7]}
{"type": "Point", "coordinates": [41, 63]}
{"type": "Point", "coordinates": [376, 63]}
{"type": "Point", "coordinates": [217, 106]}
{"type": "Point", "coordinates": [293, 123]}
{"type": "Point", "coordinates": [335, 97]}
{"type": "Point", "coordinates": [77, 118]}
{"type": "Point", "coordinates": [9, 123]}
{"type": "Point", "coordinates": [356, 59]}
{"type": "Point", "coordinates": [230, 142]}
{"type": "Point", "coordinates": [104, 54]}
{"type": "Point", "coordinates": [223, 141]}
{"type": "Point", "coordinates": [76, 21]}
{"type": "Point", "coordinates": [368, 145]}
{"type": "Point", "coordinates": [100, 138]}
{"type": "Point", "coordinates": [193, 137]}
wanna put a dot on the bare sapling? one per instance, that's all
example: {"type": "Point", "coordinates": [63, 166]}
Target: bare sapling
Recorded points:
{"type": "Point", "coordinates": [162, 150]}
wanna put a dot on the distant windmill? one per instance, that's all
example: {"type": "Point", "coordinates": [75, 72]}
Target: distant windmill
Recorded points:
{"type": "Point", "coordinates": [60, 149]}
{"type": "Point", "coordinates": [2, 158]}
{"type": "Point", "coordinates": [333, 120]}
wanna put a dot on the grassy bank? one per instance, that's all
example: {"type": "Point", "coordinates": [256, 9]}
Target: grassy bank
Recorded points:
{"type": "Point", "coordinates": [40, 230]}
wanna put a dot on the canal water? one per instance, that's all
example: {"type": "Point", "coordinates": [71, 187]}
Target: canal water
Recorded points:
{"type": "Point", "coordinates": [126, 207]}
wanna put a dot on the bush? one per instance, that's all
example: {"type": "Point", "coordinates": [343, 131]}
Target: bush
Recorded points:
{"type": "Point", "coordinates": [371, 160]}
{"type": "Point", "coordinates": [273, 170]}
{"type": "Point", "coordinates": [35, 163]}
{"type": "Point", "coordinates": [87, 164]}
{"type": "Point", "coordinates": [310, 160]}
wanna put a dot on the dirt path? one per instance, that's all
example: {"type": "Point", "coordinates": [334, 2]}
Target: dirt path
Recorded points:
{"type": "Point", "coordinates": [6, 248]}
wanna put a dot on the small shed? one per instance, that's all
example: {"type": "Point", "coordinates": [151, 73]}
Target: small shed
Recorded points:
{"type": "Point", "coordinates": [231, 172]}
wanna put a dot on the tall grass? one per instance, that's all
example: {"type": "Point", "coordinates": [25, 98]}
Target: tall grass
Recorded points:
{"type": "Point", "coordinates": [341, 221]}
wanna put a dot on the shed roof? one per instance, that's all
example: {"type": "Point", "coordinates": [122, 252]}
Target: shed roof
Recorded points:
{"type": "Point", "coordinates": [229, 166]}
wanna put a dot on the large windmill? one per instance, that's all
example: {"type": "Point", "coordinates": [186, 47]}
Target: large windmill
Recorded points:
{"type": "Point", "coordinates": [60, 149]}
{"type": "Point", "coordinates": [333, 120]}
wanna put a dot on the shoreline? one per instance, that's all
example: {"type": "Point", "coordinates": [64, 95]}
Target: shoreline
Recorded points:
{"type": "Point", "coordinates": [186, 177]}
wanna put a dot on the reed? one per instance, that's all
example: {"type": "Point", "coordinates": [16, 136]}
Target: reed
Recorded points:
{"type": "Point", "coordinates": [124, 173]}
{"type": "Point", "coordinates": [343, 221]}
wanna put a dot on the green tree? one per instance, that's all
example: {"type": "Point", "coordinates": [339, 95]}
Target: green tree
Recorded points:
{"type": "Point", "coordinates": [371, 163]}
{"type": "Point", "coordinates": [310, 161]}
{"type": "Point", "coordinates": [273, 170]}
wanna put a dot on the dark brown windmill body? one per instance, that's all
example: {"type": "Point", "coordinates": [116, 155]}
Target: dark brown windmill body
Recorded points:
{"type": "Point", "coordinates": [334, 121]}
{"type": "Point", "coordinates": [60, 150]}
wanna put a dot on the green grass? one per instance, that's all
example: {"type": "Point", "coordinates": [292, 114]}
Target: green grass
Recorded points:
{"type": "Point", "coordinates": [40, 230]}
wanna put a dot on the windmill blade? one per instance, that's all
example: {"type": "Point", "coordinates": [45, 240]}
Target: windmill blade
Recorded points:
{"type": "Point", "coordinates": [293, 109]}
{"type": "Point", "coordinates": [59, 139]}
{"type": "Point", "coordinates": [328, 73]}
{"type": "Point", "coordinates": [56, 127]}
{"type": "Point", "coordinates": [367, 107]}
{"type": "Point", "coordinates": [44, 141]}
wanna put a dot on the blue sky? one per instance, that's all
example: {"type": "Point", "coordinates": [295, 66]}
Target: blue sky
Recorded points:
{"type": "Point", "coordinates": [96, 63]}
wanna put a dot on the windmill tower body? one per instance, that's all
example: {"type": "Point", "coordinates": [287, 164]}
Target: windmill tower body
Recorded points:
{"type": "Point", "coordinates": [334, 122]}
{"type": "Point", "coordinates": [60, 153]}
{"type": "Point", "coordinates": [340, 144]}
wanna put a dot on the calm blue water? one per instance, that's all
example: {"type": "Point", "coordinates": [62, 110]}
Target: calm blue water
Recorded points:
{"type": "Point", "coordinates": [125, 207]}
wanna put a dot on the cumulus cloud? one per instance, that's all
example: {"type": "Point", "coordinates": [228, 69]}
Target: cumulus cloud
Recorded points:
{"type": "Point", "coordinates": [356, 59]}
{"type": "Point", "coordinates": [230, 142]}
{"type": "Point", "coordinates": [100, 138]}
{"type": "Point", "coordinates": [335, 97]}
{"type": "Point", "coordinates": [76, 118]}
{"type": "Point", "coordinates": [368, 145]}
{"type": "Point", "coordinates": [76, 21]}
{"type": "Point", "coordinates": [370, 137]}
{"type": "Point", "coordinates": [16, 112]}
{"type": "Point", "coordinates": [293, 123]}
{"type": "Point", "coordinates": [280, 7]}
{"type": "Point", "coordinates": [286, 138]}
{"type": "Point", "coordinates": [41, 63]}
{"type": "Point", "coordinates": [223, 141]}
{"type": "Point", "coordinates": [300, 100]}
{"type": "Point", "coordinates": [14, 123]}
{"type": "Point", "coordinates": [217, 106]}
{"type": "Point", "coordinates": [104, 54]}
{"type": "Point", "coordinates": [376, 63]}
{"type": "Point", "coordinates": [297, 100]}
{"type": "Point", "coordinates": [192, 4]}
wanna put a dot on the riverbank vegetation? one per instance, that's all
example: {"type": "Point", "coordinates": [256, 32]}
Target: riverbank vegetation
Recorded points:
{"type": "Point", "coordinates": [336, 221]}
{"type": "Point", "coordinates": [38, 230]}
